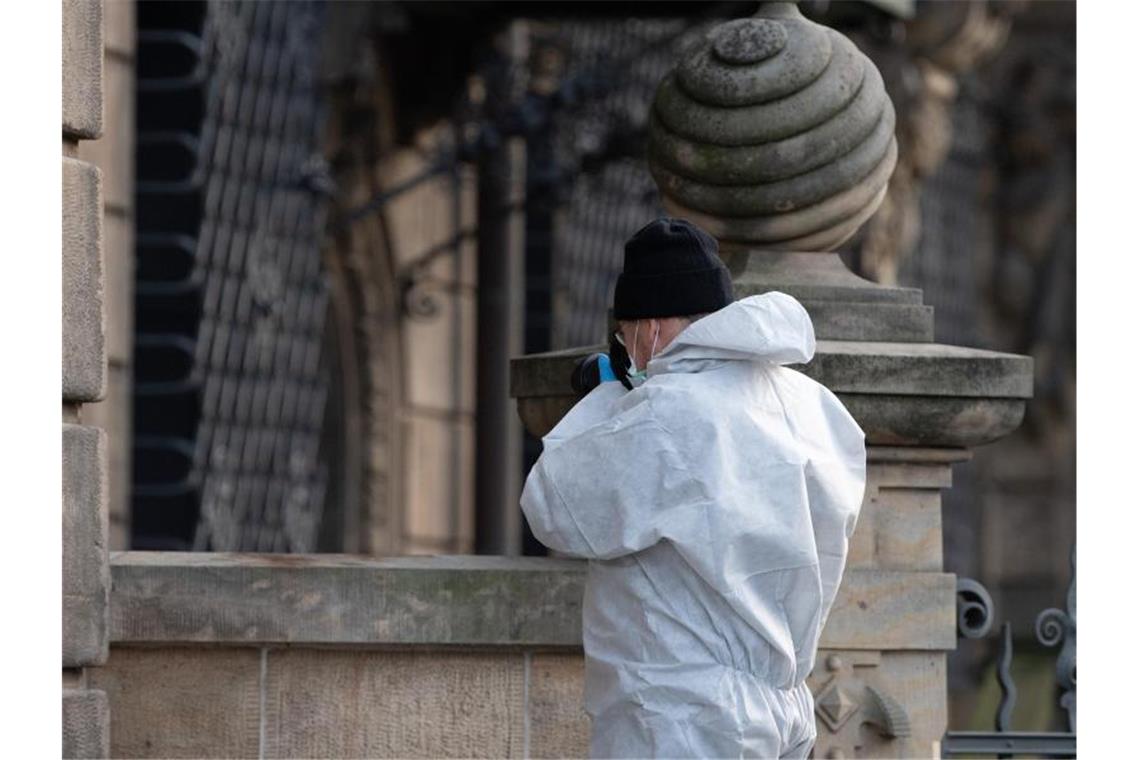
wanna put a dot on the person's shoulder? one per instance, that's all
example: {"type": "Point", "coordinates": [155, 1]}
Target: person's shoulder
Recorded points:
{"type": "Point", "coordinates": [673, 405]}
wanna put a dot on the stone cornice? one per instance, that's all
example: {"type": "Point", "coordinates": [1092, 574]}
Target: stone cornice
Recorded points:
{"type": "Point", "coordinates": [335, 600]}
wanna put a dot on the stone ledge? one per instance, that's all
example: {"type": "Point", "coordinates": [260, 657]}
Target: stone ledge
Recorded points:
{"type": "Point", "coordinates": [83, 68]}
{"type": "Point", "coordinates": [920, 369]}
{"type": "Point", "coordinates": [244, 599]}
{"type": "Point", "coordinates": [86, 724]}
{"type": "Point", "coordinates": [84, 342]}
{"type": "Point", "coordinates": [891, 369]}
{"type": "Point", "coordinates": [86, 577]}
{"type": "Point", "coordinates": [894, 421]}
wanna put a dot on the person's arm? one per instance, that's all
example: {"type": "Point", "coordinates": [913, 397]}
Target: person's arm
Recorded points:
{"type": "Point", "coordinates": [615, 488]}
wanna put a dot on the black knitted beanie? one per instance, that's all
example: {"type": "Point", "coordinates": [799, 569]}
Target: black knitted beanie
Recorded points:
{"type": "Point", "coordinates": [671, 270]}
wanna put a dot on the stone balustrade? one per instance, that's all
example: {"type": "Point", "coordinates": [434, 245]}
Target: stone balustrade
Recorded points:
{"type": "Point", "coordinates": [237, 655]}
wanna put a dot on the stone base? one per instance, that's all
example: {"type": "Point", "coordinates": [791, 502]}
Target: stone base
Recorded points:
{"type": "Point", "coordinates": [86, 724]}
{"type": "Point", "coordinates": [842, 305]}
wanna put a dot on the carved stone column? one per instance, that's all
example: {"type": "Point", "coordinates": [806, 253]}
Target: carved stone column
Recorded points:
{"type": "Point", "coordinates": [777, 136]}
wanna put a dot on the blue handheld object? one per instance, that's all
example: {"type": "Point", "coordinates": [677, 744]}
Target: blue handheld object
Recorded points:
{"type": "Point", "coordinates": [605, 371]}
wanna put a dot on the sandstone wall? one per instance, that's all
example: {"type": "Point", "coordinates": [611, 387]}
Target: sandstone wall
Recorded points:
{"type": "Point", "coordinates": [232, 655]}
{"type": "Point", "coordinates": [86, 576]}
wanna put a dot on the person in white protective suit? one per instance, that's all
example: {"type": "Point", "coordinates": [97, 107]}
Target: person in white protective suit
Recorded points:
{"type": "Point", "coordinates": [714, 500]}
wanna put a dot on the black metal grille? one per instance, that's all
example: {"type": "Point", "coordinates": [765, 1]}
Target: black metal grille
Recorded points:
{"type": "Point", "coordinates": [598, 143]}
{"type": "Point", "coordinates": [229, 387]}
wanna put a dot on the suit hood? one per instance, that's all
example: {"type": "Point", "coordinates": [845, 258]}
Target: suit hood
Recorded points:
{"type": "Point", "coordinates": [772, 328]}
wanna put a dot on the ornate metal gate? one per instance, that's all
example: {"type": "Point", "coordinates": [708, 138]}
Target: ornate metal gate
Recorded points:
{"type": "Point", "coordinates": [1054, 627]}
{"type": "Point", "coordinates": [229, 387]}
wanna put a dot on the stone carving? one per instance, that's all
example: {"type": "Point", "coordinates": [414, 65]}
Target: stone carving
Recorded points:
{"type": "Point", "coordinates": [776, 133]}
{"type": "Point", "coordinates": [848, 696]}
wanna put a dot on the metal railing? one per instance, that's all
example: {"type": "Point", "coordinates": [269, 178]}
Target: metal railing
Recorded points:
{"type": "Point", "coordinates": [1053, 627]}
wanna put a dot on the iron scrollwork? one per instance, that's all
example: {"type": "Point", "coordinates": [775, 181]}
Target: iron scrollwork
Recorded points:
{"type": "Point", "coordinates": [1053, 627]}
{"type": "Point", "coordinates": [975, 609]}
{"type": "Point", "coordinates": [1060, 627]}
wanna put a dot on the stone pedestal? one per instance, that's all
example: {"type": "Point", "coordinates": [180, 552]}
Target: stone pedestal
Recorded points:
{"type": "Point", "coordinates": [777, 137]}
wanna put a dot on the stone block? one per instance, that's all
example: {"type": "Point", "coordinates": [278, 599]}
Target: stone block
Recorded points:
{"type": "Point", "coordinates": [908, 530]}
{"type": "Point", "coordinates": [86, 724]}
{"type": "Point", "coordinates": [912, 475]}
{"type": "Point", "coordinates": [86, 574]}
{"type": "Point", "coordinates": [114, 152]}
{"type": "Point", "coordinates": [898, 529]}
{"type": "Point", "coordinates": [113, 416]}
{"type": "Point", "coordinates": [556, 716]}
{"type": "Point", "coordinates": [885, 609]}
{"type": "Point", "coordinates": [861, 547]}
{"type": "Point", "coordinates": [214, 598]}
{"type": "Point", "coordinates": [172, 597]}
{"type": "Point", "coordinates": [323, 703]}
{"type": "Point", "coordinates": [915, 680]}
{"type": "Point", "coordinates": [83, 68]}
{"type": "Point", "coordinates": [84, 348]}
{"type": "Point", "coordinates": [177, 702]}
{"type": "Point", "coordinates": [441, 480]}
{"type": "Point", "coordinates": [922, 369]}
{"type": "Point", "coordinates": [439, 368]}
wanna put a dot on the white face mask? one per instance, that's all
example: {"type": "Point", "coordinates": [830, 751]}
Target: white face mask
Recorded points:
{"type": "Point", "coordinates": [639, 376]}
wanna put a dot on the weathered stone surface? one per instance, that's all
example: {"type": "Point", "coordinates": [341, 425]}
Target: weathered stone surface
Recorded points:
{"type": "Point", "coordinates": [916, 680]}
{"type": "Point", "coordinates": [920, 369]}
{"type": "Point", "coordinates": [908, 529]}
{"type": "Point", "coordinates": [796, 192]}
{"type": "Point", "coordinates": [763, 122]}
{"type": "Point", "coordinates": [177, 702]}
{"type": "Point", "coordinates": [886, 609]}
{"type": "Point", "coordinates": [915, 456]}
{"type": "Point", "coordinates": [854, 367]}
{"type": "Point", "coordinates": [901, 394]}
{"type": "Point", "coordinates": [799, 60]}
{"type": "Point", "coordinates": [83, 68]}
{"type": "Point", "coordinates": [341, 599]}
{"type": "Point", "coordinates": [329, 599]}
{"type": "Point", "coordinates": [826, 161]}
{"type": "Point", "coordinates": [86, 578]}
{"type": "Point", "coordinates": [86, 724]}
{"type": "Point", "coordinates": [556, 716]}
{"type": "Point", "coordinates": [778, 159]}
{"type": "Point", "coordinates": [904, 323]}
{"type": "Point", "coordinates": [393, 704]}
{"type": "Point", "coordinates": [911, 475]}
{"type": "Point", "coordinates": [933, 421]}
{"type": "Point", "coordinates": [787, 230]}
{"type": "Point", "coordinates": [113, 417]}
{"type": "Point", "coordinates": [861, 546]}
{"type": "Point", "coordinates": [886, 420]}
{"type": "Point", "coordinates": [84, 351]}
{"type": "Point", "coordinates": [808, 277]}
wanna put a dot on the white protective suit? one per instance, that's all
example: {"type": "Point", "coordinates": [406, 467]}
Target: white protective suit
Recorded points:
{"type": "Point", "coordinates": [715, 503]}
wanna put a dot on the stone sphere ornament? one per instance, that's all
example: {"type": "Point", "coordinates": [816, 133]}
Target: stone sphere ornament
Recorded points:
{"type": "Point", "coordinates": [776, 133]}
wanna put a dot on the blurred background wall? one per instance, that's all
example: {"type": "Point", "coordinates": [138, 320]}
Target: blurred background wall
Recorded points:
{"type": "Point", "coordinates": [329, 224]}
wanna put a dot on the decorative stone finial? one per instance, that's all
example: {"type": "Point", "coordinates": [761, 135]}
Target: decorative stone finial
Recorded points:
{"type": "Point", "coordinates": [776, 134]}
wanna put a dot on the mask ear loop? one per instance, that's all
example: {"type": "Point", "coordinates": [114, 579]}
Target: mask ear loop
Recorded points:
{"type": "Point", "coordinates": [653, 350]}
{"type": "Point", "coordinates": [633, 356]}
